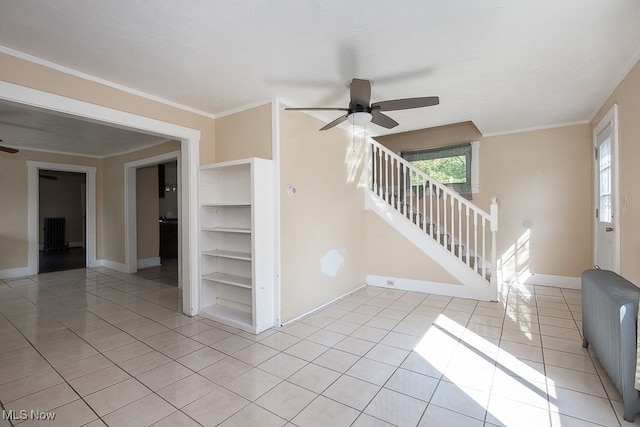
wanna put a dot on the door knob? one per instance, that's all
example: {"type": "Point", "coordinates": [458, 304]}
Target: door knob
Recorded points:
{"type": "Point", "coordinates": [608, 229]}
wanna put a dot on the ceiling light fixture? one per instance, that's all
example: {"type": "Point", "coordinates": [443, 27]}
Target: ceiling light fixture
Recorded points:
{"type": "Point", "coordinates": [359, 118]}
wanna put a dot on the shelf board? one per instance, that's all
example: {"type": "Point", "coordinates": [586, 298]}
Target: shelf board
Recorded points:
{"type": "Point", "coordinates": [245, 256]}
{"type": "Point", "coordinates": [228, 229]}
{"type": "Point", "coordinates": [228, 314]}
{"type": "Point", "coordinates": [229, 279]}
{"type": "Point", "coordinates": [226, 205]}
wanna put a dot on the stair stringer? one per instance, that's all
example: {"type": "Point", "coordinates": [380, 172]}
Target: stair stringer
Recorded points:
{"type": "Point", "coordinates": [472, 285]}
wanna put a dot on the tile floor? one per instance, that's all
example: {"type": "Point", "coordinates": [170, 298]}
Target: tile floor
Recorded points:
{"type": "Point", "coordinates": [99, 347]}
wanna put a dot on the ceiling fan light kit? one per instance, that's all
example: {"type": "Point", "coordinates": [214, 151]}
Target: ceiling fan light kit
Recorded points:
{"type": "Point", "coordinates": [361, 111]}
{"type": "Point", "coordinates": [359, 118]}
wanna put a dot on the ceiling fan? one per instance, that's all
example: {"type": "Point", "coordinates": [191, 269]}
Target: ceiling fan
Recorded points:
{"type": "Point", "coordinates": [361, 110]}
{"type": "Point", "coordinates": [8, 149]}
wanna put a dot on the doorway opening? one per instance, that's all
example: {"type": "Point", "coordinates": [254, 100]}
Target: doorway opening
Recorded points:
{"type": "Point", "coordinates": [154, 218]}
{"type": "Point", "coordinates": [62, 215]}
{"type": "Point", "coordinates": [157, 222]}
{"type": "Point", "coordinates": [188, 160]}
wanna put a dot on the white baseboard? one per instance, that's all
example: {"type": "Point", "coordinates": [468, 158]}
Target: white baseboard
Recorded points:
{"type": "Point", "coordinates": [122, 268]}
{"type": "Point", "coordinates": [149, 262]}
{"type": "Point", "coordinates": [12, 273]}
{"type": "Point", "coordinates": [552, 280]}
{"type": "Point", "coordinates": [323, 305]}
{"type": "Point", "coordinates": [437, 288]}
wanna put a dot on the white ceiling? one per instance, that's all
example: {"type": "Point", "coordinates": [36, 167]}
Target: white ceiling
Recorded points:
{"type": "Point", "coordinates": [505, 65]}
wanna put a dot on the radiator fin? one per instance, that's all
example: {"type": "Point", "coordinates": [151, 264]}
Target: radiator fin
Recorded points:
{"type": "Point", "coordinates": [54, 234]}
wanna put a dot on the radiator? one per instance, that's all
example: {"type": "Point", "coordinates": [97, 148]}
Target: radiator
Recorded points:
{"type": "Point", "coordinates": [53, 233]}
{"type": "Point", "coordinates": [609, 324]}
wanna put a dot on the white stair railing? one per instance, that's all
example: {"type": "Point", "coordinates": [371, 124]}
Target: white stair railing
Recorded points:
{"type": "Point", "coordinates": [461, 227]}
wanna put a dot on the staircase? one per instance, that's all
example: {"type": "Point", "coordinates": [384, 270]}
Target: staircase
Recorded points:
{"type": "Point", "coordinates": [453, 231]}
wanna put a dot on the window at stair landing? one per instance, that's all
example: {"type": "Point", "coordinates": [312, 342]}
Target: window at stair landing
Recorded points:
{"type": "Point", "coordinates": [451, 165]}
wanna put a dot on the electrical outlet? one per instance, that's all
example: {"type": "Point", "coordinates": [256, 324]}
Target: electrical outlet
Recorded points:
{"type": "Point", "coordinates": [390, 282]}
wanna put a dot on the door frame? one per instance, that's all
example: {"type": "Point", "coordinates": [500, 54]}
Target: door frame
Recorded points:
{"type": "Point", "coordinates": [130, 204]}
{"type": "Point", "coordinates": [33, 209]}
{"type": "Point", "coordinates": [611, 117]}
{"type": "Point", "coordinates": [189, 162]}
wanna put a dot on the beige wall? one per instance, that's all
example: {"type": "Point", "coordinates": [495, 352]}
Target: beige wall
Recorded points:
{"type": "Point", "coordinates": [322, 234]}
{"type": "Point", "coordinates": [13, 210]}
{"type": "Point", "coordinates": [627, 97]}
{"type": "Point", "coordinates": [432, 137]}
{"type": "Point", "coordinates": [390, 254]}
{"type": "Point", "coordinates": [111, 234]}
{"type": "Point", "coordinates": [245, 134]}
{"type": "Point", "coordinates": [541, 176]}
{"type": "Point", "coordinates": [544, 177]}
{"type": "Point", "coordinates": [13, 206]}
{"type": "Point", "coordinates": [147, 200]}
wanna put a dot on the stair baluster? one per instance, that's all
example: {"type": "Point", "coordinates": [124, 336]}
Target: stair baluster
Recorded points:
{"type": "Point", "coordinates": [446, 217]}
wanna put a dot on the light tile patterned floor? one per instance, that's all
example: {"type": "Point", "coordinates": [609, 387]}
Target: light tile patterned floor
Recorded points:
{"type": "Point", "coordinates": [99, 347]}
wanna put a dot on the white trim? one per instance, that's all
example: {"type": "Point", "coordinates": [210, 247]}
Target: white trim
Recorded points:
{"type": "Point", "coordinates": [130, 204]}
{"type": "Point", "coordinates": [33, 213]}
{"type": "Point", "coordinates": [475, 167]}
{"type": "Point", "coordinates": [277, 261]}
{"type": "Point", "coordinates": [552, 280]}
{"type": "Point", "coordinates": [315, 310]}
{"type": "Point", "coordinates": [244, 108]}
{"type": "Point", "coordinates": [475, 164]}
{"type": "Point", "coordinates": [437, 288]}
{"type": "Point", "coordinates": [13, 273]}
{"type": "Point", "coordinates": [610, 117]}
{"type": "Point", "coordinates": [89, 77]}
{"type": "Point", "coordinates": [188, 179]}
{"type": "Point", "coordinates": [107, 263]}
{"type": "Point", "coordinates": [137, 148]}
{"type": "Point", "coordinates": [149, 262]}
{"type": "Point", "coordinates": [473, 284]}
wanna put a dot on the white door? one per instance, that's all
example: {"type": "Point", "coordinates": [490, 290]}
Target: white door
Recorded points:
{"type": "Point", "coordinates": [607, 233]}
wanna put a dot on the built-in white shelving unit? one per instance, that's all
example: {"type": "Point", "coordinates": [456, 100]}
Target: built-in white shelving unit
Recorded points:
{"type": "Point", "coordinates": [236, 244]}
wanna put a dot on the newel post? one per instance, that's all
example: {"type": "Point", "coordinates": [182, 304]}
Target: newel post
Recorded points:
{"type": "Point", "coordinates": [494, 246]}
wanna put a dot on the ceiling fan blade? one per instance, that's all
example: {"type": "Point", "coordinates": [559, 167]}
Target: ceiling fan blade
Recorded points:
{"type": "Point", "coordinates": [382, 120]}
{"type": "Point", "coordinates": [360, 92]}
{"type": "Point", "coordinates": [8, 150]}
{"type": "Point", "coordinates": [317, 109]}
{"type": "Point", "coordinates": [335, 122]}
{"type": "Point", "coordinates": [406, 103]}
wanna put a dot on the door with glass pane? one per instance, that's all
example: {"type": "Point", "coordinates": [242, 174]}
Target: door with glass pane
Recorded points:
{"type": "Point", "coordinates": [607, 253]}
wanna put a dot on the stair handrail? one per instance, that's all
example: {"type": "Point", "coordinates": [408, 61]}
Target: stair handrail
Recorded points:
{"type": "Point", "coordinates": [488, 221]}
